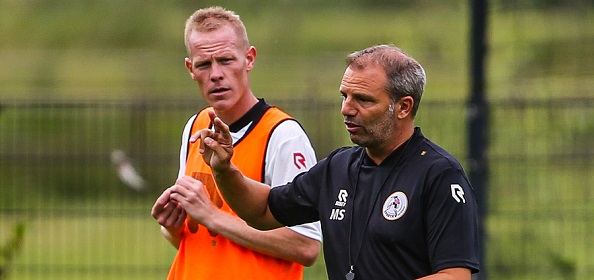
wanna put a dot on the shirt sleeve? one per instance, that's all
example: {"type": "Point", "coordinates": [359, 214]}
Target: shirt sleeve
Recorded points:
{"type": "Point", "coordinates": [183, 150]}
{"type": "Point", "coordinates": [290, 153]}
{"type": "Point", "coordinates": [452, 221]}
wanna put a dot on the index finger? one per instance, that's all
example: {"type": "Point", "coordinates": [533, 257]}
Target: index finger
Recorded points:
{"type": "Point", "coordinates": [221, 129]}
{"type": "Point", "coordinates": [220, 132]}
{"type": "Point", "coordinates": [200, 134]}
{"type": "Point", "coordinates": [161, 202]}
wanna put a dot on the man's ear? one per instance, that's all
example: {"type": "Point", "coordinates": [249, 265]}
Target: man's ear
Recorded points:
{"type": "Point", "coordinates": [405, 107]}
{"type": "Point", "coordinates": [188, 64]}
{"type": "Point", "coordinates": [251, 57]}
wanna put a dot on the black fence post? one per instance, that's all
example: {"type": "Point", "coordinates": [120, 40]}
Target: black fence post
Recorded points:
{"type": "Point", "coordinates": [478, 119]}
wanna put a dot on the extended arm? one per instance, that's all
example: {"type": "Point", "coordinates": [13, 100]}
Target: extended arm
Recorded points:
{"type": "Point", "coordinates": [248, 198]}
{"type": "Point", "coordinates": [282, 242]}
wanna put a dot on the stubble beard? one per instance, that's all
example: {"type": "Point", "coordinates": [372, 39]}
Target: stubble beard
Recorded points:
{"type": "Point", "coordinates": [378, 133]}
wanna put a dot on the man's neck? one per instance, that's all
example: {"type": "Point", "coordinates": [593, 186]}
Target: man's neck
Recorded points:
{"type": "Point", "coordinates": [379, 154]}
{"type": "Point", "coordinates": [234, 113]}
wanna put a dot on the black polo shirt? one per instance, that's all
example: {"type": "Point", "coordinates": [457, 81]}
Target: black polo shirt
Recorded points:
{"type": "Point", "coordinates": [410, 216]}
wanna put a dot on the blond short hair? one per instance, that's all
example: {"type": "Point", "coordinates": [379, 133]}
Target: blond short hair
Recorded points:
{"type": "Point", "coordinates": [213, 18]}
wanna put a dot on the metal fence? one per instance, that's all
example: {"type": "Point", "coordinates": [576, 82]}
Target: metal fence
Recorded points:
{"type": "Point", "coordinates": [81, 222]}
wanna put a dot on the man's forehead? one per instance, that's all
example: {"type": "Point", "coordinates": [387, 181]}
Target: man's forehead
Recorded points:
{"type": "Point", "coordinates": [209, 48]}
{"type": "Point", "coordinates": [225, 34]}
{"type": "Point", "coordinates": [373, 72]}
{"type": "Point", "coordinates": [371, 77]}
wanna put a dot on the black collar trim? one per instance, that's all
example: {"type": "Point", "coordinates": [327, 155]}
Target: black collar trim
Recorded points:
{"type": "Point", "coordinates": [253, 115]}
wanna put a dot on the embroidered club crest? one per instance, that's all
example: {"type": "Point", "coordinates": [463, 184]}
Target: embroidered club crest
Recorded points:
{"type": "Point", "coordinates": [395, 206]}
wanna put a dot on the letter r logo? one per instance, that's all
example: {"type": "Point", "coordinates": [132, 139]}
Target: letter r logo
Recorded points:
{"type": "Point", "coordinates": [458, 193]}
{"type": "Point", "coordinates": [299, 160]}
{"type": "Point", "coordinates": [342, 195]}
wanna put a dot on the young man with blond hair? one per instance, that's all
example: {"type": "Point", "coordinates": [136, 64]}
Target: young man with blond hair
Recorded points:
{"type": "Point", "coordinates": [270, 147]}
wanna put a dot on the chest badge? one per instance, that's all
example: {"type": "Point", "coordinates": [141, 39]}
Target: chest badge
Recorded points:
{"type": "Point", "coordinates": [395, 206]}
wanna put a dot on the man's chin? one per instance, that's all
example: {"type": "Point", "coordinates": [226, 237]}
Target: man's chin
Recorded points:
{"type": "Point", "coordinates": [220, 105]}
{"type": "Point", "coordinates": [355, 140]}
{"type": "Point", "coordinates": [361, 141]}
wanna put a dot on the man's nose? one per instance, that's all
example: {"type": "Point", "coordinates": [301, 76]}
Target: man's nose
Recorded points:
{"type": "Point", "coordinates": [346, 109]}
{"type": "Point", "coordinates": [216, 72]}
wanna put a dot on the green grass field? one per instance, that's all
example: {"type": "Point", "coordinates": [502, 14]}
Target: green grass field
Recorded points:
{"type": "Point", "coordinates": [100, 83]}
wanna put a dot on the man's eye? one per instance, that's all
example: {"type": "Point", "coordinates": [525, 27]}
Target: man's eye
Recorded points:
{"type": "Point", "coordinates": [201, 65]}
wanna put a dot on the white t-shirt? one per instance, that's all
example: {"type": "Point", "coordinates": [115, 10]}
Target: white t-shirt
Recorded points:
{"type": "Point", "coordinates": [288, 153]}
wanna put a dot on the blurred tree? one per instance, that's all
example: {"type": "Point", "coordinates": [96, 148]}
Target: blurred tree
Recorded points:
{"type": "Point", "coordinates": [10, 249]}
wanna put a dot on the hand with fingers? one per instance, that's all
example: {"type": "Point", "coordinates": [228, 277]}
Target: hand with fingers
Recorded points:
{"type": "Point", "coordinates": [216, 145]}
{"type": "Point", "coordinates": [168, 213]}
{"type": "Point", "coordinates": [191, 196]}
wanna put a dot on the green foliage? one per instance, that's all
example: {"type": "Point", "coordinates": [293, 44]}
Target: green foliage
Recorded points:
{"type": "Point", "coordinates": [10, 248]}
{"type": "Point", "coordinates": [88, 24]}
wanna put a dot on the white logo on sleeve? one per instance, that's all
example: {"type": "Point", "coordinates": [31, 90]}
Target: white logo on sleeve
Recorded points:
{"type": "Point", "coordinates": [458, 193]}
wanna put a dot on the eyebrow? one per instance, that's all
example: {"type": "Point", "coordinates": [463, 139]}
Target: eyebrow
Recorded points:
{"type": "Point", "coordinates": [216, 55]}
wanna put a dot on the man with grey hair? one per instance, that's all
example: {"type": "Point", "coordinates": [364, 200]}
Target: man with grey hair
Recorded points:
{"type": "Point", "coordinates": [270, 147]}
{"type": "Point", "coordinates": [396, 206]}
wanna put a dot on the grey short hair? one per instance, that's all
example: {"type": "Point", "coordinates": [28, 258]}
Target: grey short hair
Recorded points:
{"type": "Point", "coordinates": [405, 76]}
